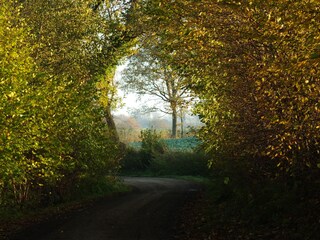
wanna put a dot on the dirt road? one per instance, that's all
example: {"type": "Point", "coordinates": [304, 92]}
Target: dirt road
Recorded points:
{"type": "Point", "coordinates": [147, 213]}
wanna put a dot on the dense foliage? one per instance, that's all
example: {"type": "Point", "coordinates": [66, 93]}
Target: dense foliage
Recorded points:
{"type": "Point", "coordinates": [155, 156]}
{"type": "Point", "coordinates": [54, 131]}
{"type": "Point", "coordinates": [254, 65]}
{"type": "Point", "coordinates": [187, 144]}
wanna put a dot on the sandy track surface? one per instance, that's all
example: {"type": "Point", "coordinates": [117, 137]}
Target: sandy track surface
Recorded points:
{"type": "Point", "coordinates": [149, 212]}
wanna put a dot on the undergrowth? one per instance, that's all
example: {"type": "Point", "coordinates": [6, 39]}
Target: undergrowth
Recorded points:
{"type": "Point", "coordinates": [85, 192]}
{"type": "Point", "coordinates": [239, 204]}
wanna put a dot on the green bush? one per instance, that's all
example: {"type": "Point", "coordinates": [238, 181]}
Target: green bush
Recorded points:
{"type": "Point", "coordinates": [155, 156]}
{"type": "Point", "coordinates": [187, 144]}
{"type": "Point", "coordinates": [165, 164]}
{"type": "Point", "coordinates": [133, 161]}
{"type": "Point", "coordinates": [180, 163]}
{"type": "Point", "coordinates": [139, 159]}
{"type": "Point", "coordinates": [151, 145]}
{"type": "Point", "coordinates": [151, 142]}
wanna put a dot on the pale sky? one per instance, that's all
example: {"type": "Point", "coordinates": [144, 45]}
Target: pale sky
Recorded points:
{"type": "Point", "coordinates": [130, 100]}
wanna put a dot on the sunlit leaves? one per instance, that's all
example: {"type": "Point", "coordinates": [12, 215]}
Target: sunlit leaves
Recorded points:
{"type": "Point", "coordinates": [52, 129]}
{"type": "Point", "coordinates": [255, 66]}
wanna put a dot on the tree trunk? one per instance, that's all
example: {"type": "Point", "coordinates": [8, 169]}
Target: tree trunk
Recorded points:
{"type": "Point", "coordinates": [174, 123]}
{"type": "Point", "coordinates": [182, 125]}
{"type": "Point", "coordinates": [111, 125]}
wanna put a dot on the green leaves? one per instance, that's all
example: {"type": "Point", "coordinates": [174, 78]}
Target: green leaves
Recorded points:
{"type": "Point", "coordinates": [52, 132]}
{"type": "Point", "coordinates": [255, 68]}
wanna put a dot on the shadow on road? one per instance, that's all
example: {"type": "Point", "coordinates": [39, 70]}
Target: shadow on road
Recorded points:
{"type": "Point", "coordinates": [148, 212]}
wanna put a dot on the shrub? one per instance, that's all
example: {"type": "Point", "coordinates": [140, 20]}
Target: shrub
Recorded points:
{"type": "Point", "coordinates": [151, 142]}
{"type": "Point", "coordinates": [133, 161]}
{"type": "Point", "coordinates": [151, 145]}
{"type": "Point", "coordinates": [155, 156]}
{"type": "Point", "coordinates": [180, 163]}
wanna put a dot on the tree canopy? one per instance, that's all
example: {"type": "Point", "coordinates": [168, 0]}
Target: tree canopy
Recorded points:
{"type": "Point", "coordinates": [145, 74]}
{"type": "Point", "coordinates": [253, 64]}
{"type": "Point", "coordinates": [255, 67]}
{"type": "Point", "coordinates": [54, 131]}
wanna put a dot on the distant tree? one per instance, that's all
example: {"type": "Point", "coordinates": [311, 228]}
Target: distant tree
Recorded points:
{"type": "Point", "coordinates": [127, 127]}
{"type": "Point", "coordinates": [159, 123]}
{"type": "Point", "coordinates": [123, 121]}
{"type": "Point", "coordinates": [145, 74]}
